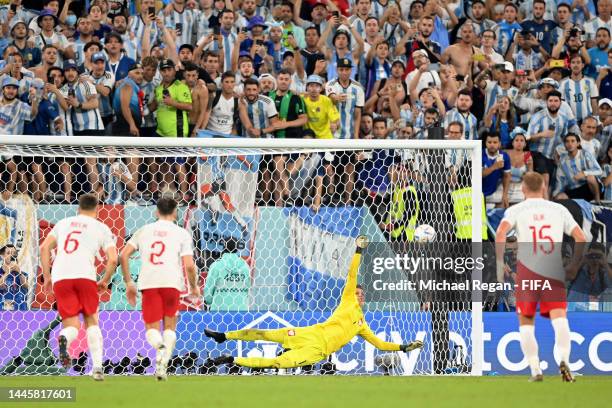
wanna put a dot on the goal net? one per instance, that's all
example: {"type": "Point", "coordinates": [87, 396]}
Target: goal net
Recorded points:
{"type": "Point", "coordinates": [290, 209]}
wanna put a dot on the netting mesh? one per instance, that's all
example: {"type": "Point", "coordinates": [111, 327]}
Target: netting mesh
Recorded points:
{"type": "Point", "coordinates": [294, 216]}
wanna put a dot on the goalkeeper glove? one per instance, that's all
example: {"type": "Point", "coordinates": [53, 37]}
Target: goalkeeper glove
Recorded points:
{"type": "Point", "coordinates": [411, 346]}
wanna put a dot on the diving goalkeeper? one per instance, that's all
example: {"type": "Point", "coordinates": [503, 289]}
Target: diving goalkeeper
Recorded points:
{"type": "Point", "coordinates": [308, 345]}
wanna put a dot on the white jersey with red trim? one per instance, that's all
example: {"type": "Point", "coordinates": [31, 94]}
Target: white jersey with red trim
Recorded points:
{"type": "Point", "coordinates": [162, 244]}
{"type": "Point", "coordinates": [539, 225]}
{"type": "Point", "coordinates": [79, 241]}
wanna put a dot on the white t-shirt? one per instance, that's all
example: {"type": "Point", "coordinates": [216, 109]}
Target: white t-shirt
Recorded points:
{"type": "Point", "coordinates": [539, 225]}
{"type": "Point", "coordinates": [222, 116]}
{"type": "Point", "coordinates": [161, 244]}
{"type": "Point", "coordinates": [428, 77]}
{"type": "Point", "coordinates": [79, 241]}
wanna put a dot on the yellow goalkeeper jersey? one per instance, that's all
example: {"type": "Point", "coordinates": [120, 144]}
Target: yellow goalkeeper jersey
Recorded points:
{"type": "Point", "coordinates": [348, 321]}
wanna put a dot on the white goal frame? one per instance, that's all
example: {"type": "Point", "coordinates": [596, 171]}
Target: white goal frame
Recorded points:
{"type": "Point", "coordinates": [120, 146]}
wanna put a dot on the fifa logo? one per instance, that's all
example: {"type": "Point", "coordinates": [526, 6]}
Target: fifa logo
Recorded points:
{"type": "Point", "coordinates": [535, 284]}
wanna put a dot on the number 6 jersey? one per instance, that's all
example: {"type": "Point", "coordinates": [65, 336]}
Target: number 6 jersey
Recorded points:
{"type": "Point", "coordinates": [79, 241]}
{"type": "Point", "coordinates": [161, 246]}
{"type": "Point", "coordinates": [539, 225]}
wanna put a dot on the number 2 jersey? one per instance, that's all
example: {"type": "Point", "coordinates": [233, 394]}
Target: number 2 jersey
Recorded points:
{"type": "Point", "coordinates": [79, 241]}
{"type": "Point", "coordinates": [539, 225]}
{"type": "Point", "coordinates": [161, 244]}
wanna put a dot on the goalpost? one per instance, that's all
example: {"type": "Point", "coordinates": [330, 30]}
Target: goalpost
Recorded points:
{"type": "Point", "coordinates": [292, 209]}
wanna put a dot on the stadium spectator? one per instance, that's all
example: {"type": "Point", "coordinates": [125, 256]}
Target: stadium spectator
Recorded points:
{"type": "Point", "coordinates": [592, 279]}
{"type": "Point", "coordinates": [495, 172]}
{"type": "Point", "coordinates": [118, 62]}
{"type": "Point", "coordinates": [173, 103]}
{"type": "Point", "coordinates": [104, 82]}
{"type": "Point", "coordinates": [579, 91]}
{"type": "Point", "coordinates": [461, 113]}
{"type": "Point", "coordinates": [546, 128]}
{"type": "Point", "coordinates": [228, 281]}
{"type": "Point", "coordinates": [502, 119]}
{"type": "Point", "coordinates": [224, 113]}
{"type": "Point", "coordinates": [18, 31]}
{"type": "Point", "coordinates": [521, 162]}
{"type": "Point", "coordinates": [13, 281]}
{"type": "Point", "coordinates": [577, 173]}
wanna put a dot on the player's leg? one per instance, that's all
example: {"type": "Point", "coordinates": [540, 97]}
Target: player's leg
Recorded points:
{"type": "Point", "coordinates": [68, 308]}
{"type": "Point", "coordinates": [170, 302]}
{"type": "Point", "coordinates": [529, 344]}
{"type": "Point", "coordinates": [152, 314]}
{"type": "Point", "coordinates": [276, 335]}
{"type": "Point", "coordinates": [560, 324]}
{"type": "Point", "coordinates": [290, 359]}
{"type": "Point", "coordinates": [88, 297]}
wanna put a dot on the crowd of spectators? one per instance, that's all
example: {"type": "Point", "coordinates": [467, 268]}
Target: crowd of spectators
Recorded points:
{"type": "Point", "coordinates": [531, 79]}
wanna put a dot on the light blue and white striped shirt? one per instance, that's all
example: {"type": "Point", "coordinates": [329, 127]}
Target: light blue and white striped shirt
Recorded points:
{"type": "Point", "coordinates": [108, 80]}
{"type": "Point", "coordinates": [579, 94]}
{"type": "Point", "coordinates": [470, 123]}
{"type": "Point", "coordinates": [114, 188]}
{"type": "Point", "coordinates": [188, 21]}
{"type": "Point", "coordinates": [355, 99]}
{"type": "Point", "coordinates": [260, 112]}
{"type": "Point", "coordinates": [13, 115]}
{"type": "Point", "coordinates": [571, 166]}
{"type": "Point", "coordinates": [493, 91]}
{"type": "Point", "coordinates": [541, 121]}
{"type": "Point", "coordinates": [137, 26]}
{"type": "Point", "coordinates": [229, 40]}
{"type": "Point", "coordinates": [83, 119]}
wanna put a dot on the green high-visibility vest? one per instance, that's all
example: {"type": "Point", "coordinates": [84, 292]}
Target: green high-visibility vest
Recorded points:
{"type": "Point", "coordinates": [399, 212]}
{"type": "Point", "coordinates": [462, 207]}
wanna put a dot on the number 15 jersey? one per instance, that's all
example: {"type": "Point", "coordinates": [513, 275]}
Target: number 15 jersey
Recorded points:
{"type": "Point", "coordinates": [79, 240]}
{"type": "Point", "coordinates": [161, 244]}
{"type": "Point", "coordinates": [539, 225]}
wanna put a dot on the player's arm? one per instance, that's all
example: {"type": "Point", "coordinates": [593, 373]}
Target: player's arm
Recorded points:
{"type": "Point", "coordinates": [500, 246]}
{"type": "Point", "coordinates": [194, 289]}
{"type": "Point", "coordinates": [348, 293]}
{"type": "Point", "coordinates": [111, 266]}
{"type": "Point", "coordinates": [367, 334]}
{"type": "Point", "coordinates": [45, 260]}
{"type": "Point", "coordinates": [130, 287]}
{"type": "Point", "coordinates": [189, 265]}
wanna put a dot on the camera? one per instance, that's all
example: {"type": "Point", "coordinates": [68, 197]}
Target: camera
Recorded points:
{"type": "Point", "coordinates": [335, 14]}
{"type": "Point", "coordinates": [259, 42]}
{"type": "Point", "coordinates": [166, 93]}
{"type": "Point", "coordinates": [178, 27]}
{"type": "Point", "coordinates": [151, 10]}
{"type": "Point", "coordinates": [244, 30]}
{"type": "Point", "coordinates": [593, 256]}
{"type": "Point", "coordinates": [13, 8]}
{"type": "Point", "coordinates": [216, 30]}
{"type": "Point", "coordinates": [71, 93]}
{"type": "Point", "coordinates": [574, 32]}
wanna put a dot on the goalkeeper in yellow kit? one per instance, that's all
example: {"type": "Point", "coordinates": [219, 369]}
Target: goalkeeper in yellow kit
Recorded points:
{"type": "Point", "coordinates": [308, 345]}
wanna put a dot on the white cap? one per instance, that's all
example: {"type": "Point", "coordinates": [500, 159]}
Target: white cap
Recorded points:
{"type": "Point", "coordinates": [419, 52]}
{"type": "Point", "coordinates": [508, 66]}
{"type": "Point", "coordinates": [605, 101]}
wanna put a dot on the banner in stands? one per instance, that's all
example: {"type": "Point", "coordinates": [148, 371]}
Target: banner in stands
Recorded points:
{"type": "Point", "coordinates": [321, 245]}
{"type": "Point", "coordinates": [227, 199]}
{"type": "Point", "coordinates": [19, 226]}
{"type": "Point", "coordinates": [124, 336]}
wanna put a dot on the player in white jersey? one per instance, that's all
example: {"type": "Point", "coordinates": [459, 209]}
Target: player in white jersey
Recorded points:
{"type": "Point", "coordinates": [72, 279]}
{"type": "Point", "coordinates": [539, 226]}
{"type": "Point", "coordinates": [164, 249]}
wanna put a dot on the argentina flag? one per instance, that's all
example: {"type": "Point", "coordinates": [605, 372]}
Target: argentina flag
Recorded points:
{"type": "Point", "coordinates": [320, 249]}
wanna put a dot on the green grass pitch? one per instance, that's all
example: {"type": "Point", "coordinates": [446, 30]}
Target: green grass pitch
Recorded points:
{"type": "Point", "coordinates": [322, 392]}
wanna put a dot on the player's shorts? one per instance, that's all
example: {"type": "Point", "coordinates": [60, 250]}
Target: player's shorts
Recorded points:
{"type": "Point", "coordinates": [75, 296]}
{"type": "Point", "coordinates": [533, 289]}
{"type": "Point", "coordinates": [158, 303]}
{"type": "Point", "coordinates": [543, 164]}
